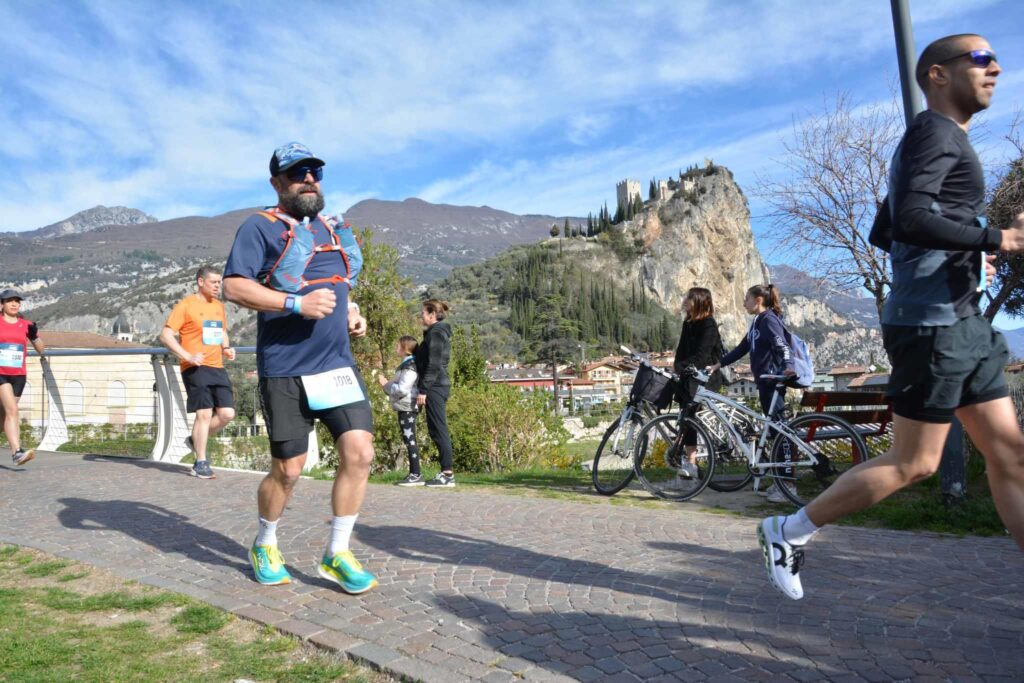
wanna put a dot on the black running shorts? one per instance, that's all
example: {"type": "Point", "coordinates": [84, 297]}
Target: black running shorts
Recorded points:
{"type": "Point", "coordinates": [936, 370]}
{"type": "Point", "coordinates": [17, 383]}
{"type": "Point", "coordinates": [289, 418]}
{"type": "Point", "coordinates": [207, 388]}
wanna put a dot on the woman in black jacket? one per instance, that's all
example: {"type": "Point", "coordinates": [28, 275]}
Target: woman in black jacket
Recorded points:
{"type": "Point", "coordinates": [434, 386]}
{"type": "Point", "coordinates": [700, 345]}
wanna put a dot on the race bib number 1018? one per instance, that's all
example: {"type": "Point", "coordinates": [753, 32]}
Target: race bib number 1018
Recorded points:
{"type": "Point", "coordinates": [332, 389]}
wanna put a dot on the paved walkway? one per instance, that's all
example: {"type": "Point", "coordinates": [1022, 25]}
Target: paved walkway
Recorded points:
{"type": "Point", "coordinates": [498, 587]}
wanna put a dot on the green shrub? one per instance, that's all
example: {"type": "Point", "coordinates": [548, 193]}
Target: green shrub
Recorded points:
{"type": "Point", "coordinates": [498, 428]}
{"type": "Point", "coordinates": [590, 421]}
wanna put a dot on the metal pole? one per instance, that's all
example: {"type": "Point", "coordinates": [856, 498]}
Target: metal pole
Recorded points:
{"type": "Point", "coordinates": [912, 103]}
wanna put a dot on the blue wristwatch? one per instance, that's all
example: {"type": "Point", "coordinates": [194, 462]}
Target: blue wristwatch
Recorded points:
{"type": "Point", "coordinates": [289, 303]}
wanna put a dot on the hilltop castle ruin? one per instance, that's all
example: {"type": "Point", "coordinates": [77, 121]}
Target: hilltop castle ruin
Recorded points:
{"type": "Point", "coordinates": [627, 191]}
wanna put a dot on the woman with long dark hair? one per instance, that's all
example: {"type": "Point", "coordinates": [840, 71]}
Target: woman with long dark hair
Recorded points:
{"type": "Point", "coordinates": [434, 386]}
{"type": "Point", "coordinates": [700, 345]}
{"type": "Point", "coordinates": [769, 354]}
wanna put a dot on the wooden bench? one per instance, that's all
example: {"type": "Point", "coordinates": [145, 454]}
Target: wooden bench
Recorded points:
{"type": "Point", "coordinates": [868, 411]}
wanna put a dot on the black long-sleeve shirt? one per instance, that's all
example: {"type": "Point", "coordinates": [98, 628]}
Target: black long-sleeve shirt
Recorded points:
{"type": "Point", "coordinates": [700, 345]}
{"type": "Point", "coordinates": [936, 194]}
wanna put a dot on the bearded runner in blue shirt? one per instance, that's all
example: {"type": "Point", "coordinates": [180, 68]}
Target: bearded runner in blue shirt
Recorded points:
{"type": "Point", "coordinates": [946, 358]}
{"type": "Point", "coordinates": [304, 357]}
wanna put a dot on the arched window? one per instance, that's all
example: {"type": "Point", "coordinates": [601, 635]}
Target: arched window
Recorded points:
{"type": "Point", "coordinates": [116, 394]}
{"type": "Point", "coordinates": [74, 398]}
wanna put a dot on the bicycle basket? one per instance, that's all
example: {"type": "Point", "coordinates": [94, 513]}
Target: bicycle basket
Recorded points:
{"type": "Point", "coordinates": [653, 386]}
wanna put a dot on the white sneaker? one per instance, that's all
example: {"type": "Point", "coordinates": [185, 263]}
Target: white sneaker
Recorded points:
{"type": "Point", "coordinates": [782, 559]}
{"type": "Point", "coordinates": [688, 470]}
{"type": "Point", "coordinates": [775, 494]}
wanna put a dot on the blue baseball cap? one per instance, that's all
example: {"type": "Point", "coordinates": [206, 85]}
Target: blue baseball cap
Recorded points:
{"type": "Point", "coordinates": [289, 154]}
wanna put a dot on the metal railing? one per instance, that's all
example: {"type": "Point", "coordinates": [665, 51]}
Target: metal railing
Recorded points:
{"type": "Point", "coordinates": [120, 389]}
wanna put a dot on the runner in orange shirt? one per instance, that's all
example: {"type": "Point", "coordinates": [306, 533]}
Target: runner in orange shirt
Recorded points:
{"type": "Point", "coordinates": [199, 320]}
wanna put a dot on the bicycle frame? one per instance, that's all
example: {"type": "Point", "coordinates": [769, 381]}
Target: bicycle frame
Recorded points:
{"type": "Point", "coordinates": [712, 402]}
{"type": "Point", "coordinates": [625, 417]}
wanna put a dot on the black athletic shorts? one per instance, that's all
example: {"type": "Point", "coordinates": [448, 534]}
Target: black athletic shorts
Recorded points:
{"type": "Point", "coordinates": [207, 388]}
{"type": "Point", "coordinates": [936, 370]}
{"type": "Point", "coordinates": [290, 419]}
{"type": "Point", "coordinates": [17, 383]}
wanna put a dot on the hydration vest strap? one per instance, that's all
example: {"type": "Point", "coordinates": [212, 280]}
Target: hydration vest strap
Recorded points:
{"type": "Point", "coordinates": [275, 213]}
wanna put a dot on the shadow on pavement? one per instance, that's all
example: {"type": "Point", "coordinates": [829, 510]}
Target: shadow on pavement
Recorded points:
{"type": "Point", "coordinates": [166, 531]}
{"type": "Point", "coordinates": [425, 545]}
{"type": "Point", "coordinates": [593, 646]}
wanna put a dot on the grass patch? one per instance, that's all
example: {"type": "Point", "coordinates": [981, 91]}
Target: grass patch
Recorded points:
{"type": "Point", "coordinates": [72, 576]}
{"type": "Point", "coordinates": [200, 619]}
{"type": "Point", "coordinates": [53, 634]}
{"type": "Point", "coordinates": [40, 569]}
{"type": "Point", "coordinates": [917, 508]}
{"type": "Point", "coordinates": [69, 601]}
{"type": "Point", "coordinates": [539, 479]}
{"type": "Point", "coordinates": [114, 446]}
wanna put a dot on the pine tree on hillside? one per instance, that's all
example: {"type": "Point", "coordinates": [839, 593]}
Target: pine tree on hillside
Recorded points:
{"type": "Point", "coordinates": [652, 191]}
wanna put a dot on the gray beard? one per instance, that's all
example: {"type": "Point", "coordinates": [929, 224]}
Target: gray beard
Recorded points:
{"type": "Point", "coordinates": [303, 206]}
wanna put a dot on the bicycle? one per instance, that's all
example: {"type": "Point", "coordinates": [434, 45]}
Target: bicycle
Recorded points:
{"type": "Point", "coordinates": [653, 390]}
{"type": "Point", "coordinates": [805, 454]}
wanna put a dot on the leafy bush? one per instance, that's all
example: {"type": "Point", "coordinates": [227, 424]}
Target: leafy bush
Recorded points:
{"type": "Point", "coordinates": [590, 421]}
{"type": "Point", "coordinates": [498, 428]}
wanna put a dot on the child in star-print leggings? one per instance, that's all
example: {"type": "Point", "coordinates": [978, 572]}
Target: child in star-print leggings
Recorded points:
{"type": "Point", "coordinates": [401, 389]}
{"type": "Point", "coordinates": [407, 425]}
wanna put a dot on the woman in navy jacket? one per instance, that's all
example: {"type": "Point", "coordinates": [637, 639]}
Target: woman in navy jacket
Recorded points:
{"type": "Point", "coordinates": [769, 352]}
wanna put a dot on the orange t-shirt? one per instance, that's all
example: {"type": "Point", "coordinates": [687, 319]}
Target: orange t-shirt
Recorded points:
{"type": "Point", "coordinates": [200, 325]}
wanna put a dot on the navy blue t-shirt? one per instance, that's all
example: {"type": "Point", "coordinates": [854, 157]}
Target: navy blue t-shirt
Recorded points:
{"type": "Point", "coordinates": [288, 345]}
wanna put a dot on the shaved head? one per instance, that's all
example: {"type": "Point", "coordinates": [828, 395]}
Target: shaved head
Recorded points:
{"type": "Point", "coordinates": [939, 51]}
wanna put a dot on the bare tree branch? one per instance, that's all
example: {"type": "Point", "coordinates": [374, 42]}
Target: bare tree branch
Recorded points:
{"type": "Point", "coordinates": [837, 165]}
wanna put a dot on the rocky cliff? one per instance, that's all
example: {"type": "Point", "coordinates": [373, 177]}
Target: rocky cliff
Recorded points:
{"type": "Point", "coordinates": [90, 219]}
{"type": "Point", "coordinates": [698, 237]}
{"type": "Point", "coordinates": [701, 236]}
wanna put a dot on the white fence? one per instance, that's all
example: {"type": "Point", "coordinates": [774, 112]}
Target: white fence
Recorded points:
{"type": "Point", "coordinates": [118, 387]}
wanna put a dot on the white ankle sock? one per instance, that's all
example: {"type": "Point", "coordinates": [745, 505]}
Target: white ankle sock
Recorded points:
{"type": "Point", "coordinates": [341, 532]}
{"type": "Point", "coordinates": [797, 528]}
{"type": "Point", "coordinates": [268, 532]}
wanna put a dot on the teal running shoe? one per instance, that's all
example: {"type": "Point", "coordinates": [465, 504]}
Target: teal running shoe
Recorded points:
{"type": "Point", "coordinates": [268, 565]}
{"type": "Point", "coordinates": [344, 569]}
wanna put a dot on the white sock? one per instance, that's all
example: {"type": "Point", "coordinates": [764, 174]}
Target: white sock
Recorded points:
{"type": "Point", "coordinates": [341, 532]}
{"type": "Point", "coordinates": [797, 528]}
{"type": "Point", "coordinates": [268, 532]}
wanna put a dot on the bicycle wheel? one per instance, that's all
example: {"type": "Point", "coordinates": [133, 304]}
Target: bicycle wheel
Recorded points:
{"type": "Point", "coordinates": [837, 447]}
{"type": "Point", "coordinates": [660, 456]}
{"type": "Point", "coordinates": [612, 467]}
{"type": "Point", "coordinates": [732, 471]}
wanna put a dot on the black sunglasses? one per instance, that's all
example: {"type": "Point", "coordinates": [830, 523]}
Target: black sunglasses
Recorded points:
{"type": "Point", "coordinates": [298, 173]}
{"type": "Point", "coordinates": [980, 58]}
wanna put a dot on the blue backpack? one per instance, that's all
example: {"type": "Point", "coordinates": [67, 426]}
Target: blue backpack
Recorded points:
{"type": "Point", "coordinates": [288, 272]}
{"type": "Point", "coordinates": [803, 365]}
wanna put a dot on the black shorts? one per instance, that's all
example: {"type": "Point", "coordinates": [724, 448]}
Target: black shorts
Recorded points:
{"type": "Point", "coordinates": [17, 383]}
{"type": "Point", "coordinates": [207, 388]}
{"type": "Point", "coordinates": [290, 419]}
{"type": "Point", "coordinates": [936, 370]}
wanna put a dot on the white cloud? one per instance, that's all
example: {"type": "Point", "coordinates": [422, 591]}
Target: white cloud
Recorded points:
{"type": "Point", "coordinates": [165, 105]}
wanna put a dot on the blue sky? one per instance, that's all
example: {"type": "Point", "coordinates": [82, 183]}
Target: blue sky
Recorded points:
{"type": "Point", "coordinates": [174, 108]}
